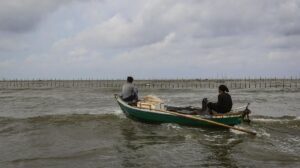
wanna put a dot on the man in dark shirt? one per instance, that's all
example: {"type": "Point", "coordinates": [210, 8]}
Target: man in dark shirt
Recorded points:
{"type": "Point", "coordinates": [224, 103]}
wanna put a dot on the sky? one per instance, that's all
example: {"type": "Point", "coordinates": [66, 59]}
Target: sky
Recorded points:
{"type": "Point", "coordinates": [149, 39]}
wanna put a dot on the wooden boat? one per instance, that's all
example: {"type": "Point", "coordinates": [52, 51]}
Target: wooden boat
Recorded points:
{"type": "Point", "coordinates": [150, 114]}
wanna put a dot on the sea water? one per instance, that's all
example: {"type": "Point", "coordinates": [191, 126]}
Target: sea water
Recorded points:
{"type": "Point", "coordinates": [85, 128]}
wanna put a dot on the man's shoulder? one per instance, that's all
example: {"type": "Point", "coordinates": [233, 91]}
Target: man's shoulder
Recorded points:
{"type": "Point", "coordinates": [228, 95]}
{"type": "Point", "coordinates": [128, 85]}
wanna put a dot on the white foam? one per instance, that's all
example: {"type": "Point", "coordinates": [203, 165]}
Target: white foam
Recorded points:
{"type": "Point", "coordinates": [231, 140]}
{"type": "Point", "coordinates": [266, 120]}
{"type": "Point", "coordinates": [173, 126]}
{"type": "Point", "coordinates": [263, 133]}
{"type": "Point", "coordinates": [294, 139]}
{"type": "Point", "coordinates": [209, 139]}
{"type": "Point", "coordinates": [270, 120]}
{"type": "Point", "coordinates": [239, 132]}
{"type": "Point", "coordinates": [108, 111]}
{"type": "Point", "coordinates": [188, 137]}
{"type": "Point", "coordinates": [236, 131]}
{"type": "Point", "coordinates": [119, 113]}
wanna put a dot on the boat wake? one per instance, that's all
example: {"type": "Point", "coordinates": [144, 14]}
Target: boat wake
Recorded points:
{"type": "Point", "coordinates": [268, 119]}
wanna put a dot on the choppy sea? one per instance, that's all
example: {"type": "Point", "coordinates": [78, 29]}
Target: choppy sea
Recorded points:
{"type": "Point", "coordinates": [85, 128]}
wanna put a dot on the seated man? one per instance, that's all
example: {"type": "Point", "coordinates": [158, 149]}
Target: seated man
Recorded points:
{"type": "Point", "coordinates": [224, 103]}
{"type": "Point", "coordinates": [129, 91]}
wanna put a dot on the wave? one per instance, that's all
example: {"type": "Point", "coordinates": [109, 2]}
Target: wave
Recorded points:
{"type": "Point", "coordinates": [117, 114]}
{"type": "Point", "coordinates": [269, 90]}
{"type": "Point", "coordinates": [259, 118]}
{"type": "Point", "coordinates": [284, 123]}
{"type": "Point", "coordinates": [64, 118]}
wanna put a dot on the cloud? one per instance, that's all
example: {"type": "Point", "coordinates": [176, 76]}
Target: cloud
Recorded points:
{"type": "Point", "coordinates": [19, 16]}
{"type": "Point", "coordinates": [154, 38]}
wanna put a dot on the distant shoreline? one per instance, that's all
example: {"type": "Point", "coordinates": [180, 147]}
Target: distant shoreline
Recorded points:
{"type": "Point", "coordinates": [155, 83]}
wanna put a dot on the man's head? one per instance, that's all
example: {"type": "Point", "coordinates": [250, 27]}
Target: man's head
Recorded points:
{"type": "Point", "coordinates": [129, 79]}
{"type": "Point", "coordinates": [223, 88]}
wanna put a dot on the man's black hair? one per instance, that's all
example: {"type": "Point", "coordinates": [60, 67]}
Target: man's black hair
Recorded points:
{"type": "Point", "coordinates": [223, 88]}
{"type": "Point", "coordinates": [129, 79]}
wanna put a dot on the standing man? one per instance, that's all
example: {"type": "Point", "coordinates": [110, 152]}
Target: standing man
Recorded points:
{"type": "Point", "coordinates": [129, 91]}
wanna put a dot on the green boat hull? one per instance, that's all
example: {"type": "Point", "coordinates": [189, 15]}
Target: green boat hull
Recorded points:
{"type": "Point", "coordinates": [162, 117]}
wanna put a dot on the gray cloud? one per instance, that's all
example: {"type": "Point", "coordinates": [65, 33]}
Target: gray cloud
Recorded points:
{"type": "Point", "coordinates": [236, 38]}
{"type": "Point", "coordinates": [19, 16]}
